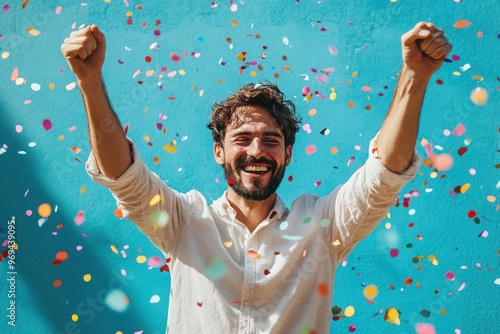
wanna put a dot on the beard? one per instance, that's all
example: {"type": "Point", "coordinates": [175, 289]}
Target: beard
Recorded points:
{"type": "Point", "coordinates": [257, 191]}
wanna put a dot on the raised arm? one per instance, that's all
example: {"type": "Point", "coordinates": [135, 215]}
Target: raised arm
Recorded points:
{"type": "Point", "coordinates": [424, 50]}
{"type": "Point", "coordinates": [85, 52]}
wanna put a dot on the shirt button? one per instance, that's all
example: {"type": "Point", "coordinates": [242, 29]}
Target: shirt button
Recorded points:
{"type": "Point", "coordinates": [246, 303]}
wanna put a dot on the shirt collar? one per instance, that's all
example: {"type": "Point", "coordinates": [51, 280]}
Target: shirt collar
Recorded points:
{"type": "Point", "coordinates": [224, 208]}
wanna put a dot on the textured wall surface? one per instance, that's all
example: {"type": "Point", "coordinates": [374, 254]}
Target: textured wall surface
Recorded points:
{"type": "Point", "coordinates": [78, 268]}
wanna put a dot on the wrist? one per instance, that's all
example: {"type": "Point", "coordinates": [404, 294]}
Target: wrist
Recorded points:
{"type": "Point", "coordinates": [414, 76]}
{"type": "Point", "coordinates": [91, 82]}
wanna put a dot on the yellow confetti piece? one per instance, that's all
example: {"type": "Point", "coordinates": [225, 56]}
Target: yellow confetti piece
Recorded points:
{"type": "Point", "coordinates": [336, 243]}
{"type": "Point", "coordinates": [354, 74]}
{"type": "Point", "coordinates": [253, 73]}
{"type": "Point", "coordinates": [154, 200]}
{"type": "Point", "coordinates": [228, 244]}
{"type": "Point", "coordinates": [5, 55]}
{"type": "Point", "coordinates": [202, 92]}
{"type": "Point", "coordinates": [349, 311]}
{"type": "Point", "coordinates": [370, 291]}
{"type": "Point", "coordinates": [83, 190]}
{"type": "Point", "coordinates": [141, 259]}
{"type": "Point", "coordinates": [234, 23]}
{"type": "Point", "coordinates": [433, 259]}
{"type": "Point", "coordinates": [87, 278]}
{"type": "Point", "coordinates": [52, 86]}
{"type": "Point", "coordinates": [114, 249]}
{"type": "Point", "coordinates": [129, 13]}
{"type": "Point", "coordinates": [74, 317]}
{"type": "Point", "coordinates": [19, 81]}
{"type": "Point", "coordinates": [170, 148]}
{"type": "Point", "coordinates": [477, 77]}
{"type": "Point", "coordinates": [464, 188]}
{"type": "Point", "coordinates": [182, 72]}
{"type": "Point", "coordinates": [145, 137]}
{"type": "Point", "coordinates": [392, 316]}
{"type": "Point", "coordinates": [33, 32]}
{"type": "Point", "coordinates": [388, 226]}
{"type": "Point", "coordinates": [61, 137]}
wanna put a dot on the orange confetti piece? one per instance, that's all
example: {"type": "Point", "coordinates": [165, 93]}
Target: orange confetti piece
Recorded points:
{"type": "Point", "coordinates": [25, 2]}
{"type": "Point", "coordinates": [57, 283]}
{"type": "Point", "coordinates": [350, 104]}
{"type": "Point", "coordinates": [323, 289]}
{"type": "Point", "coordinates": [461, 24]}
{"type": "Point", "coordinates": [15, 74]}
{"type": "Point", "coordinates": [62, 255]}
{"type": "Point", "coordinates": [253, 254]}
{"type": "Point", "coordinates": [118, 213]}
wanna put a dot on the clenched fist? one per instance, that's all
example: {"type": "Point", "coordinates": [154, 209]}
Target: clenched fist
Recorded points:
{"type": "Point", "coordinates": [424, 49]}
{"type": "Point", "coordinates": [84, 50]}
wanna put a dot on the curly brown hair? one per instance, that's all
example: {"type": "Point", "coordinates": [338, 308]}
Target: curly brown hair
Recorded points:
{"type": "Point", "coordinates": [268, 96]}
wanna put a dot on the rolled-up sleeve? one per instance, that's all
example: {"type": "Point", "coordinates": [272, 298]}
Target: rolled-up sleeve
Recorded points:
{"type": "Point", "coordinates": [158, 211]}
{"type": "Point", "coordinates": [358, 206]}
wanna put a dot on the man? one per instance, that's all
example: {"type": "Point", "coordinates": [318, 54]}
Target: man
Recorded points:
{"type": "Point", "coordinates": [246, 263]}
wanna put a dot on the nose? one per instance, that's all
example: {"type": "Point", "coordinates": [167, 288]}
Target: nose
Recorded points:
{"type": "Point", "coordinates": [255, 149]}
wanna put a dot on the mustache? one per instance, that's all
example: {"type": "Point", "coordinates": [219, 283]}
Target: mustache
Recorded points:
{"type": "Point", "coordinates": [252, 160]}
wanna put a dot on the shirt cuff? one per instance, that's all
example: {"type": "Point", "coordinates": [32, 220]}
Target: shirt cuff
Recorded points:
{"type": "Point", "coordinates": [96, 175]}
{"type": "Point", "coordinates": [387, 176]}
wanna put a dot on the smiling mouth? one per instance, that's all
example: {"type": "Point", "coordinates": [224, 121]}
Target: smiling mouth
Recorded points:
{"type": "Point", "coordinates": [255, 169]}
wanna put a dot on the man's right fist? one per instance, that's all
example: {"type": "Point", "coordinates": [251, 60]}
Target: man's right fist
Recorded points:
{"type": "Point", "coordinates": [85, 50]}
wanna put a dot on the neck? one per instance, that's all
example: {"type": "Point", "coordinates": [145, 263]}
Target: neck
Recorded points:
{"type": "Point", "coordinates": [250, 213]}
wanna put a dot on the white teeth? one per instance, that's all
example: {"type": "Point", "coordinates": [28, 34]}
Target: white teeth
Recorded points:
{"type": "Point", "coordinates": [256, 169]}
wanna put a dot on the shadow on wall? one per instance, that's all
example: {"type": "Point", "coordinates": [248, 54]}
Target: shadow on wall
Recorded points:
{"type": "Point", "coordinates": [48, 283]}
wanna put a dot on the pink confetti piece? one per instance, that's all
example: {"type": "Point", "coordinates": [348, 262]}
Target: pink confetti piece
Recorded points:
{"type": "Point", "coordinates": [5, 8]}
{"type": "Point", "coordinates": [461, 287]}
{"type": "Point", "coordinates": [425, 329]}
{"type": "Point", "coordinates": [350, 161]}
{"type": "Point", "coordinates": [79, 218]}
{"type": "Point", "coordinates": [322, 78]}
{"type": "Point", "coordinates": [459, 130]}
{"type": "Point", "coordinates": [47, 124]}
{"type": "Point", "coordinates": [310, 149]}
{"type": "Point", "coordinates": [58, 10]}
{"type": "Point", "coordinates": [305, 90]}
{"type": "Point", "coordinates": [333, 51]}
{"type": "Point", "coordinates": [155, 261]}
{"type": "Point", "coordinates": [366, 88]}
{"type": "Point", "coordinates": [19, 128]}
{"type": "Point", "coordinates": [175, 57]}
{"type": "Point", "coordinates": [450, 276]}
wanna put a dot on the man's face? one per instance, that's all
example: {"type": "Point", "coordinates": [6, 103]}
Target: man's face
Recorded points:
{"type": "Point", "coordinates": [254, 156]}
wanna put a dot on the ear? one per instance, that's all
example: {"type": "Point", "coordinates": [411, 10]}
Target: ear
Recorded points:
{"type": "Point", "coordinates": [218, 154]}
{"type": "Point", "coordinates": [288, 155]}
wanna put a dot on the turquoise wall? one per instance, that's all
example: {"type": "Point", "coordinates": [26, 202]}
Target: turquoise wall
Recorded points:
{"type": "Point", "coordinates": [435, 258]}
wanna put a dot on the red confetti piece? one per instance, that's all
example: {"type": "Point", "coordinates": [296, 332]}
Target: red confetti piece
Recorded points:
{"type": "Point", "coordinates": [231, 181]}
{"type": "Point", "coordinates": [266, 272]}
{"type": "Point", "coordinates": [471, 214]}
{"type": "Point", "coordinates": [408, 280]}
{"type": "Point", "coordinates": [462, 150]}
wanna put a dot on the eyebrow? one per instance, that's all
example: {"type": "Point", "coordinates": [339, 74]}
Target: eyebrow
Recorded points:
{"type": "Point", "coordinates": [265, 134]}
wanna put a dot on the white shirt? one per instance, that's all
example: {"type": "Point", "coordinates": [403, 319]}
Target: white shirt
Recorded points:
{"type": "Point", "coordinates": [277, 279]}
